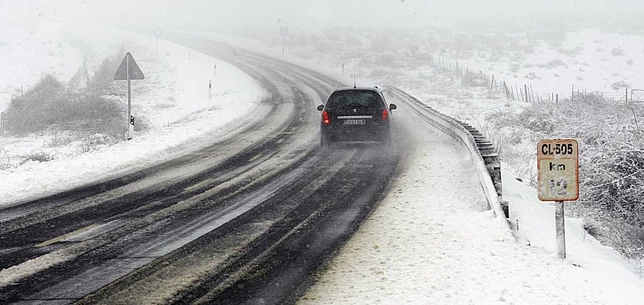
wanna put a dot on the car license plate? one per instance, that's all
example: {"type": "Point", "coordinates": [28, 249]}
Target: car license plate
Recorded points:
{"type": "Point", "coordinates": [354, 122]}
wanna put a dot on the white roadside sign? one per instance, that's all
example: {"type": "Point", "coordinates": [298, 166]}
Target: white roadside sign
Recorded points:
{"type": "Point", "coordinates": [558, 167]}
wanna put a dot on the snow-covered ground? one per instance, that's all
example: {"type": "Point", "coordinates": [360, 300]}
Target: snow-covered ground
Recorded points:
{"type": "Point", "coordinates": [588, 59]}
{"type": "Point", "coordinates": [430, 242]}
{"type": "Point", "coordinates": [415, 247]}
{"type": "Point", "coordinates": [173, 99]}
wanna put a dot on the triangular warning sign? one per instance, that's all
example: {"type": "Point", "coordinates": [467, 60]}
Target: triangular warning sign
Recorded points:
{"type": "Point", "coordinates": [135, 71]}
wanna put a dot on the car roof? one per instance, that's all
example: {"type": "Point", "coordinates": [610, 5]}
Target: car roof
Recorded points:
{"type": "Point", "coordinates": [373, 89]}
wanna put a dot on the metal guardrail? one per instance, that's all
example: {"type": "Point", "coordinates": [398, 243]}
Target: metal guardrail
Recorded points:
{"type": "Point", "coordinates": [488, 166]}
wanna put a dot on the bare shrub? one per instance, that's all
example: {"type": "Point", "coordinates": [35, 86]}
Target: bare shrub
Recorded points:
{"type": "Point", "coordinates": [620, 85]}
{"type": "Point", "coordinates": [60, 139]}
{"type": "Point", "coordinates": [49, 105]}
{"type": "Point", "coordinates": [592, 227]}
{"type": "Point", "coordinates": [388, 60]}
{"type": "Point", "coordinates": [552, 64]}
{"type": "Point", "coordinates": [475, 80]}
{"type": "Point", "coordinates": [38, 156]}
{"type": "Point", "coordinates": [531, 76]}
{"type": "Point", "coordinates": [570, 52]}
{"type": "Point", "coordinates": [169, 103]}
{"type": "Point", "coordinates": [102, 81]}
{"type": "Point", "coordinates": [5, 161]}
{"type": "Point", "coordinates": [617, 52]}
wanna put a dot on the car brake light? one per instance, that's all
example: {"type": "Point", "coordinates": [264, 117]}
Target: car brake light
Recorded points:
{"type": "Point", "coordinates": [385, 115]}
{"type": "Point", "coordinates": [325, 118]}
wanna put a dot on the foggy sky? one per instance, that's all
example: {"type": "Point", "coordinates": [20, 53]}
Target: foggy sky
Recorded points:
{"type": "Point", "coordinates": [307, 13]}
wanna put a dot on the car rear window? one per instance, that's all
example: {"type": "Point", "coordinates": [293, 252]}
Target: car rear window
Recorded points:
{"type": "Point", "coordinates": [355, 99]}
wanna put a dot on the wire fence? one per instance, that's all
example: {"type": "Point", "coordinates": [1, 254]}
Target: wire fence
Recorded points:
{"type": "Point", "coordinates": [526, 93]}
{"type": "Point", "coordinates": [3, 122]}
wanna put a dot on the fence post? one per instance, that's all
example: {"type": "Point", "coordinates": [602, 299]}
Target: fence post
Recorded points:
{"type": "Point", "coordinates": [626, 96]}
{"type": "Point", "coordinates": [557, 98]}
{"type": "Point", "coordinates": [2, 123]}
{"type": "Point", "coordinates": [572, 96]}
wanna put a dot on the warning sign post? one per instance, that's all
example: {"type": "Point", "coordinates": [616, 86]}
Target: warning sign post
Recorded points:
{"type": "Point", "coordinates": [129, 70]}
{"type": "Point", "coordinates": [558, 180]}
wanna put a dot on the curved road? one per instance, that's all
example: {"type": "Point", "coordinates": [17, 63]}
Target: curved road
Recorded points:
{"type": "Point", "coordinates": [245, 220]}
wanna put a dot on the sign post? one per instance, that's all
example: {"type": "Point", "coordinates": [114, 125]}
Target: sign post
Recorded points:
{"type": "Point", "coordinates": [157, 32]}
{"type": "Point", "coordinates": [558, 180]}
{"type": "Point", "coordinates": [129, 70]}
{"type": "Point", "coordinates": [284, 32]}
{"type": "Point", "coordinates": [209, 89]}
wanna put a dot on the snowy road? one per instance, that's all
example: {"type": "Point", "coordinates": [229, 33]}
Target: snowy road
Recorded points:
{"type": "Point", "coordinates": [264, 200]}
{"type": "Point", "coordinates": [257, 217]}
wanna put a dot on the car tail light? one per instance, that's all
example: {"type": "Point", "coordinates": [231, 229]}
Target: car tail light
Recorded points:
{"type": "Point", "coordinates": [385, 115]}
{"type": "Point", "coordinates": [325, 118]}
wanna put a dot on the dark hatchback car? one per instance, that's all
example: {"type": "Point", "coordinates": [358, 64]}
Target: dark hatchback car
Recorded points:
{"type": "Point", "coordinates": [355, 115]}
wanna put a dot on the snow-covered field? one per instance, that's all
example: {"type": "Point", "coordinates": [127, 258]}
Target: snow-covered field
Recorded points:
{"type": "Point", "coordinates": [588, 59]}
{"type": "Point", "coordinates": [414, 248]}
{"type": "Point", "coordinates": [173, 99]}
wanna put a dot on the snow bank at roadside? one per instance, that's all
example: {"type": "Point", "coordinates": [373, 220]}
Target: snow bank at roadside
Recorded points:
{"type": "Point", "coordinates": [427, 243]}
{"type": "Point", "coordinates": [173, 97]}
{"type": "Point", "coordinates": [536, 226]}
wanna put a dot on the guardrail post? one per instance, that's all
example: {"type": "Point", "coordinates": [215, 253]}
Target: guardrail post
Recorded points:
{"type": "Point", "coordinates": [492, 163]}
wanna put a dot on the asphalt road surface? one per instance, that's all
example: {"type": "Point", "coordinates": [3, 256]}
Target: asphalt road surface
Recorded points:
{"type": "Point", "coordinates": [246, 220]}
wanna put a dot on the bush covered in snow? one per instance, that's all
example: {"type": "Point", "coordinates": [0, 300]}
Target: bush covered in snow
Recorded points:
{"type": "Point", "coordinates": [68, 114]}
{"type": "Point", "coordinates": [617, 51]}
{"type": "Point", "coordinates": [611, 160]}
{"type": "Point", "coordinates": [49, 105]}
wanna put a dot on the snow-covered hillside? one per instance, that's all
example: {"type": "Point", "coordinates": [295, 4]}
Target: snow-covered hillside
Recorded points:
{"type": "Point", "coordinates": [588, 59]}
{"type": "Point", "coordinates": [173, 100]}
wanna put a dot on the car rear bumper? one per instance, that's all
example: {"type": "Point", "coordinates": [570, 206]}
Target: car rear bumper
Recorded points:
{"type": "Point", "coordinates": [339, 133]}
